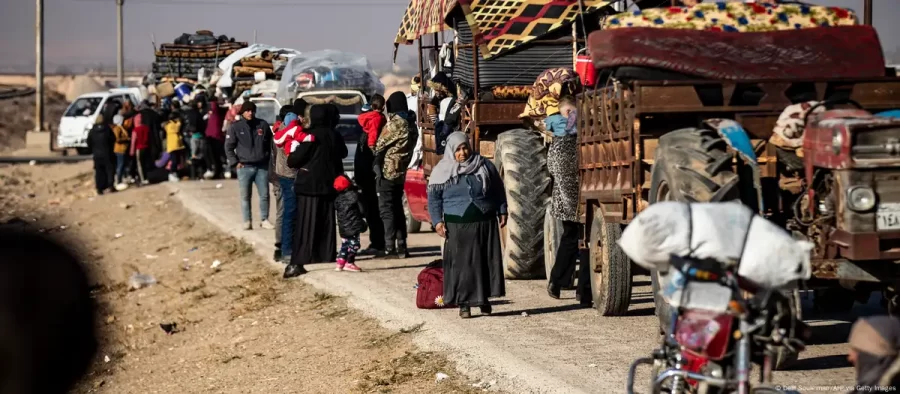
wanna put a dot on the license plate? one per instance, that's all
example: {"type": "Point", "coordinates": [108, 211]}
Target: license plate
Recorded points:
{"type": "Point", "coordinates": [888, 216]}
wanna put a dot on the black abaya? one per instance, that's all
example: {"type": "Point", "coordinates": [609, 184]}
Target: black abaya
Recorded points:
{"type": "Point", "coordinates": [315, 238]}
{"type": "Point", "coordinates": [473, 263]}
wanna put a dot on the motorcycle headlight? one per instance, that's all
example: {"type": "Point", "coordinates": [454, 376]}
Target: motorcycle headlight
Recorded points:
{"type": "Point", "coordinates": [860, 198]}
{"type": "Point", "coordinates": [837, 142]}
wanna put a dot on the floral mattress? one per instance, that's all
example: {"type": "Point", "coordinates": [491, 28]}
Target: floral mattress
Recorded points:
{"type": "Point", "coordinates": [734, 17]}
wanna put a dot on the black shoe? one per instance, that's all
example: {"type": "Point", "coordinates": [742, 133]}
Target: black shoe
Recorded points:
{"type": "Point", "coordinates": [465, 312]}
{"type": "Point", "coordinates": [402, 252]}
{"type": "Point", "coordinates": [294, 271]}
{"type": "Point", "coordinates": [372, 250]}
{"type": "Point", "coordinates": [389, 254]}
{"type": "Point", "coordinates": [486, 309]}
{"type": "Point", "coordinates": [278, 257]}
{"type": "Point", "coordinates": [553, 290]}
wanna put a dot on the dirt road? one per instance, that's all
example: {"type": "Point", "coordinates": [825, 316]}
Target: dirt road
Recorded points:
{"type": "Point", "coordinates": [240, 328]}
{"type": "Point", "coordinates": [531, 344]}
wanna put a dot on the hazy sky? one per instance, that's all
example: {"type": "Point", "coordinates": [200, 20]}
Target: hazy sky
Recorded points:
{"type": "Point", "coordinates": [84, 31]}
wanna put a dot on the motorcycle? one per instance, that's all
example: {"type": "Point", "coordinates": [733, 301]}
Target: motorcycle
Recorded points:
{"type": "Point", "coordinates": [720, 325]}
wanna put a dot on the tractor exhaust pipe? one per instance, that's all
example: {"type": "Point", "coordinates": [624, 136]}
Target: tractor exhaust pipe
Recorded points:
{"type": "Point", "coordinates": [867, 12]}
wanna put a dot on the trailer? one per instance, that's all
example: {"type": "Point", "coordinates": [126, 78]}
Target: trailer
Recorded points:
{"type": "Point", "coordinates": [698, 114]}
{"type": "Point", "coordinates": [498, 52]}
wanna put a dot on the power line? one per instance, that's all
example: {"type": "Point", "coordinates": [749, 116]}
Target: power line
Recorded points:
{"type": "Point", "coordinates": [263, 3]}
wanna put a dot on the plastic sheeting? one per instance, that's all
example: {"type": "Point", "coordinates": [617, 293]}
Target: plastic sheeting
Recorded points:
{"type": "Point", "coordinates": [328, 70]}
{"type": "Point", "coordinates": [227, 64]}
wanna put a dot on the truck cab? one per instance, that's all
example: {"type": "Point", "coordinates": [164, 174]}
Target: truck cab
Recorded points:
{"type": "Point", "coordinates": [80, 116]}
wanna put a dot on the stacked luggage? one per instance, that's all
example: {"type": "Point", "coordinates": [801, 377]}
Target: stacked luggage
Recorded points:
{"type": "Point", "coordinates": [257, 67]}
{"type": "Point", "coordinates": [182, 60]}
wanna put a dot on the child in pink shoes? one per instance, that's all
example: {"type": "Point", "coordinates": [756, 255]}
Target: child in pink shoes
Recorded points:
{"type": "Point", "coordinates": [350, 223]}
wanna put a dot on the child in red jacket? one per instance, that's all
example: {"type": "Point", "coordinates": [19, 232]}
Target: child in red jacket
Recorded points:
{"type": "Point", "coordinates": [291, 134]}
{"type": "Point", "coordinates": [372, 120]}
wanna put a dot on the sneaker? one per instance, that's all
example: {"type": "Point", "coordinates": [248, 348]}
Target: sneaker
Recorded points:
{"type": "Point", "coordinates": [173, 178]}
{"type": "Point", "coordinates": [248, 226]}
{"type": "Point", "coordinates": [208, 175]}
{"type": "Point", "coordinates": [265, 225]}
{"type": "Point", "coordinates": [121, 186]}
{"type": "Point", "coordinates": [352, 268]}
{"type": "Point", "coordinates": [339, 266]}
{"type": "Point", "coordinates": [227, 174]}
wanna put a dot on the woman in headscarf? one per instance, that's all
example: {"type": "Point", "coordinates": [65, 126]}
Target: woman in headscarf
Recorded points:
{"type": "Point", "coordinates": [874, 347]}
{"type": "Point", "coordinates": [393, 152]}
{"type": "Point", "coordinates": [467, 204]}
{"type": "Point", "coordinates": [318, 163]}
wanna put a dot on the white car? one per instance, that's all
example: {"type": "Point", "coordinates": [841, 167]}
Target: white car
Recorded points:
{"type": "Point", "coordinates": [79, 118]}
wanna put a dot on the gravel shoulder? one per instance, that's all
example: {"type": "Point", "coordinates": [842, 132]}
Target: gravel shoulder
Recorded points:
{"type": "Point", "coordinates": [246, 330]}
{"type": "Point", "coordinates": [240, 328]}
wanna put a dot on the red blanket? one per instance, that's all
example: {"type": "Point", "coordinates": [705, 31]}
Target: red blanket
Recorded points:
{"type": "Point", "coordinates": [818, 53]}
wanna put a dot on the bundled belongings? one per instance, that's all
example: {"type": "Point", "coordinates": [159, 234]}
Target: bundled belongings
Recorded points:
{"type": "Point", "coordinates": [727, 232]}
{"type": "Point", "coordinates": [245, 68]}
{"type": "Point", "coordinates": [191, 52]}
{"type": "Point", "coordinates": [328, 70]}
{"type": "Point", "coordinates": [258, 67]}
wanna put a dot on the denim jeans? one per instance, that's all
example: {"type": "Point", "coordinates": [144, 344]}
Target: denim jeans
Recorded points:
{"type": "Point", "coordinates": [247, 176]}
{"type": "Point", "coordinates": [120, 166]}
{"type": "Point", "coordinates": [289, 203]}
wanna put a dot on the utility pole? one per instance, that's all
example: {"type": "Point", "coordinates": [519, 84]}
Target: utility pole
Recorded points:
{"type": "Point", "coordinates": [121, 59]}
{"type": "Point", "coordinates": [39, 66]}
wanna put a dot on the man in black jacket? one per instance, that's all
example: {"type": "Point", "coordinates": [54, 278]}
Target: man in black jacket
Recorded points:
{"type": "Point", "coordinates": [101, 141]}
{"type": "Point", "coordinates": [248, 147]}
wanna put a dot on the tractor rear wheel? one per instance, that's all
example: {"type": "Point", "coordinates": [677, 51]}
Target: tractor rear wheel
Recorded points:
{"type": "Point", "coordinates": [522, 160]}
{"type": "Point", "coordinates": [691, 165]}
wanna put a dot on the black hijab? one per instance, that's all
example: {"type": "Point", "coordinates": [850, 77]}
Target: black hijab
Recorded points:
{"type": "Point", "coordinates": [319, 119]}
{"type": "Point", "coordinates": [396, 103]}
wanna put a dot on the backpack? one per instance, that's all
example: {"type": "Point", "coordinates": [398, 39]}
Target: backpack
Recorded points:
{"type": "Point", "coordinates": [430, 289]}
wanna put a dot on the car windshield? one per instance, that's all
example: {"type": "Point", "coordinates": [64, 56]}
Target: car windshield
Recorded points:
{"type": "Point", "coordinates": [347, 103]}
{"type": "Point", "coordinates": [85, 106]}
{"type": "Point", "coordinates": [266, 110]}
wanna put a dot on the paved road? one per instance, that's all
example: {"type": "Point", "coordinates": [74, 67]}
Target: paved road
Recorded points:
{"type": "Point", "coordinates": [532, 343]}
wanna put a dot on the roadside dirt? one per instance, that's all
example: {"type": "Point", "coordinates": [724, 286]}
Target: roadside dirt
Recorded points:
{"type": "Point", "coordinates": [240, 327]}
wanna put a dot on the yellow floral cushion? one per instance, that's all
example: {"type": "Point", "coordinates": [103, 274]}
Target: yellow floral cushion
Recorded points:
{"type": "Point", "coordinates": [734, 17]}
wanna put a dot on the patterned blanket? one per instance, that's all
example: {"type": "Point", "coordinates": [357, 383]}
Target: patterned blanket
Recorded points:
{"type": "Point", "coordinates": [820, 53]}
{"type": "Point", "coordinates": [734, 17]}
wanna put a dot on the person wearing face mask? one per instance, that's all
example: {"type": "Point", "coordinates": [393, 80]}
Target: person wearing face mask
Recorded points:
{"type": "Point", "coordinates": [874, 348]}
{"type": "Point", "coordinates": [467, 204]}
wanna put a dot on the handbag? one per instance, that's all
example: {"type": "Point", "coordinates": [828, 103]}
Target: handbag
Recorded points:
{"type": "Point", "coordinates": [430, 287]}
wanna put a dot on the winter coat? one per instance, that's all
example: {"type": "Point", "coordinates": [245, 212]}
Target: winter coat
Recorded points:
{"type": "Point", "coordinates": [174, 142]}
{"type": "Point", "coordinates": [249, 142]}
{"type": "Point", "coordinates": [141, 137]}
{"type": "Point", "coordinates": [320, 161]}
{"type": "Point", "coordinates": [372, 122]}
{"type": "Point", "coordinates": [350, 215]}
{"type": "Point", "coordinates": [100, 141]}
{"type": "Point", "coordinates": [122, 139]}
{"type": "Point", "coordinates": [394, 148]}
{"type": "Point", "coordinates": [214, 124]}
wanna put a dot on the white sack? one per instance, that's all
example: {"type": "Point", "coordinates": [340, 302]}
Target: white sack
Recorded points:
{"type": "Point", "coordinates": [772, 258]}
{"type": "Point", "coordinates": [768, 255]}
